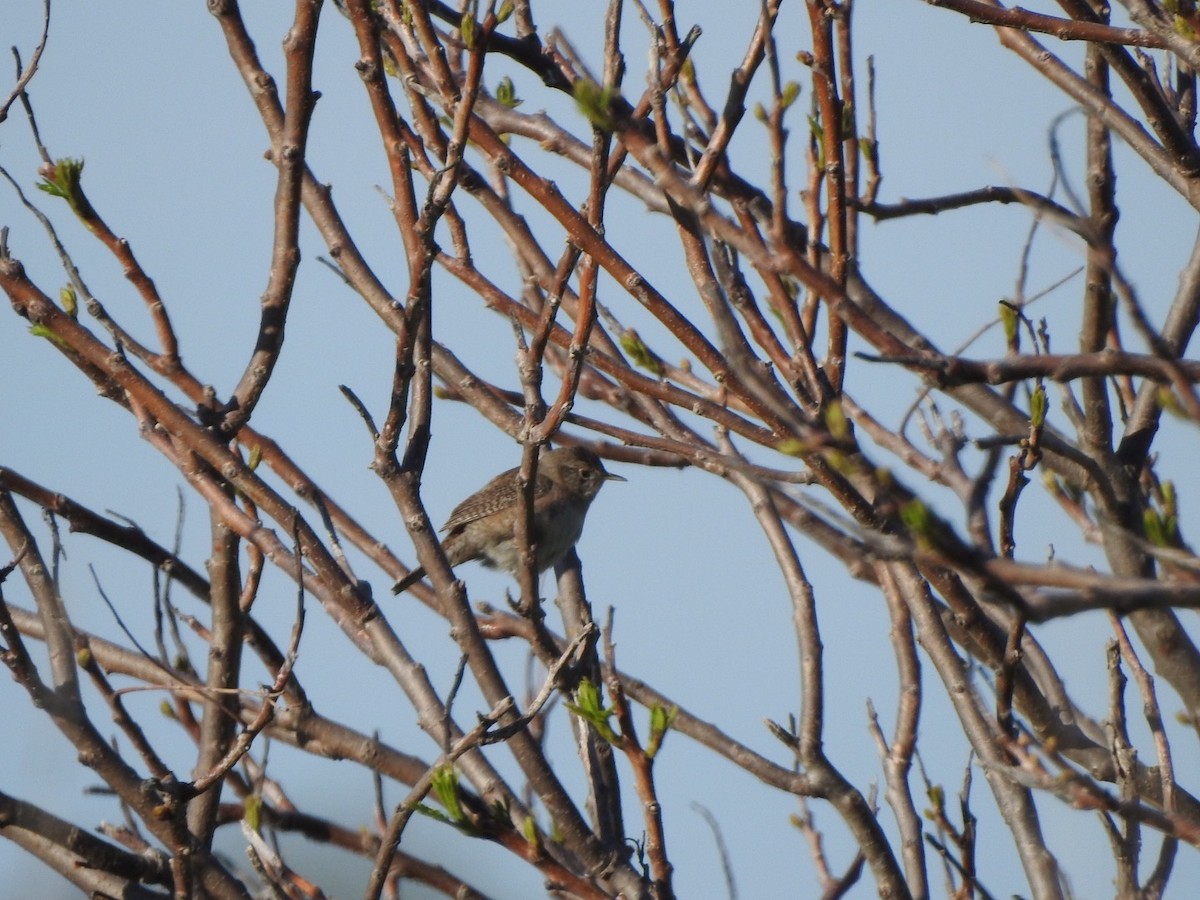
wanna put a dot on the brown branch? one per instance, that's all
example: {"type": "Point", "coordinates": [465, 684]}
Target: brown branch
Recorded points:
{"type": "Point", "coordinates": [288, 147]}
{"type": "Point", "coordinates": [94, 865]}
{"type": "Point", "coordinates": [223, 677]}
{"type": "Point", "coordinates": [486, 730]}
{"type": "Point", "coordinates": [1099, 315]}
{"type": "Point", "coordinates": [897, 756]}
{"type": "Point", "coordinates": [952, 371]}
{"type": "Point", "coordinates": [157, 807]}
{"type": "Point", "coordinates": [25, 74]}
{"type": "Point", "coordinates": [1063, 29]}
{"type": "Point", "coordinates": [1096, 103]}
{"type": "Point", "coordinates": [1041, 205]}
{"type": "Point", "coordinates": [825, 780]}
{"type": "Point", "coordinates": [642, 762]}
{"type": "Point", "coordinates": [1016, 802]}
{"type": "Point", "coordinates": [833, 146]}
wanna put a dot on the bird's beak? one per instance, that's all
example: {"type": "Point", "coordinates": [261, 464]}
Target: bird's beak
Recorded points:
{"type": "Point", "coordinates": [609, 476]}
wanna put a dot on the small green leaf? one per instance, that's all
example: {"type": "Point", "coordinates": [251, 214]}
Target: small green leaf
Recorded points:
{"type": "Point", "coordinates": [917, 517]}
{"type": "Point", "coordinates": [632, 344]}
{"type": "Point", "coordinates": [818, 136]}
{"type": "Point", "coordinates": [660, 722]}
{"type": "Point", "coordinates": [1009, 319]}
{"type": "Point", "coordinates": [426, 810]}
{"type": "Point", "coordinates": [869, 149]}
{"type": "Point", "coordinates": [760, 113]}
{"type": "Point", "coordinates": [814, 127]}
{"type": "Point", "coordinates": [791, 91]}
{"type": "Point", "coordinates": [1170, 498]}
{"type": "Point", "coordinates": [1037, 407]}
{"type": "Point", "coordinates": [40, 330]}
{"type": "Point", "coordinates": [468, 28]}
{"type": "Point", "coordinates": [836, 422]}
{"type": "Point", "coordinates": [1161, 524]}
{"type": "Point", "coordinates": [504, 12]}
{"type": "Point", "coordinates": [65, 182]}
{"type": "Point", "coordinates": [594, 102]}
{"type": "Point", "coordinates": [589, 701]}
{"type": "Point", "coordinates": [1170, 403]}
{"type": "Point", "coordinates": [530, 830]}
{"type": "Point", "coordinates": [847, 120]}
{"type": "Point", "coordinates": [589, 707]}
{"type": "Point", "coordinates": [937, 796]}
{"type": "Point", "coordinates": [840, 462]}
{"type": "Point", "coordinates": [1154, 527]}
{"type": "Point", "coordinates": [792, 447]}
{"type": "Point", "coordinates": [252, 811]}
{"type": "Point", "coordinates": [70, 302]}
{"type": "Point", "coordinates": [506, 94]}
{"type": "Point", "coordinates": [256, 454]}
{"type": "Point", "coordinates": [446, 787]}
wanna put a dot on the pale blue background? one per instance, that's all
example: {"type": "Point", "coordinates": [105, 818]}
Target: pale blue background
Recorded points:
{"type": "Point", "coordinates": [145, 92]}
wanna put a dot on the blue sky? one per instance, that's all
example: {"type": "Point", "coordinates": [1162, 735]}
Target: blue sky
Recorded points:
{"type": "Point", "coordinates": [173, 154]}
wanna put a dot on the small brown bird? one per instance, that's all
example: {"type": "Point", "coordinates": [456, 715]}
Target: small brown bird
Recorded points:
{"type": "Point", "coordinates": [482, 526]}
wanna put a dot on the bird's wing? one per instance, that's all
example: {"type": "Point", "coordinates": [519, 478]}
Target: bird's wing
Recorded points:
{"type": "Point", "coordinates": [501, 491]}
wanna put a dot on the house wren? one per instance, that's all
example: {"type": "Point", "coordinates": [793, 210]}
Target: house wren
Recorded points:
{"type": "Point", "coordinates": [483, 526]}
